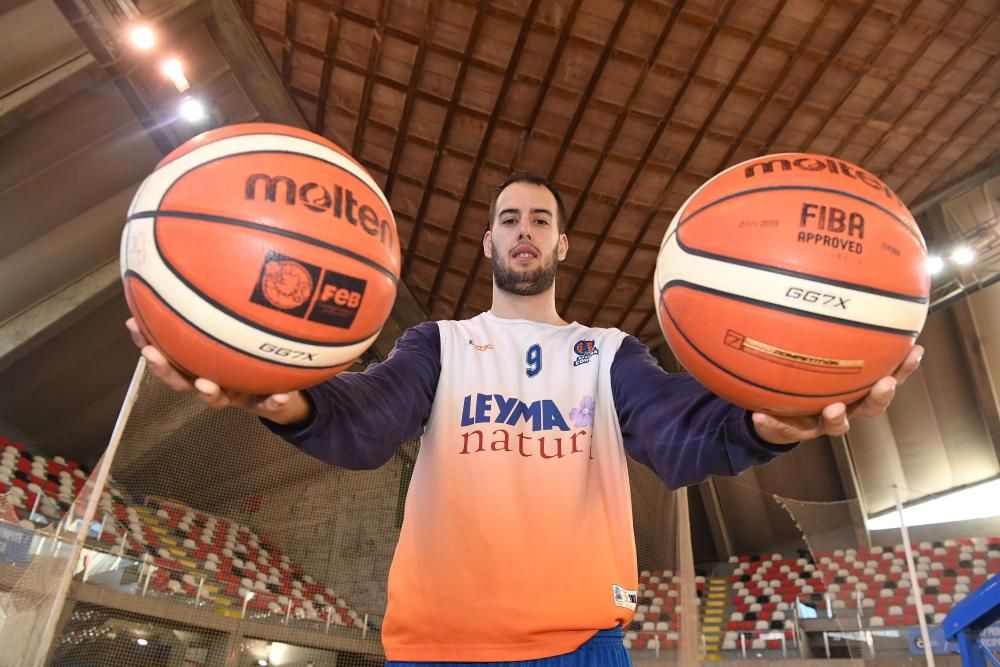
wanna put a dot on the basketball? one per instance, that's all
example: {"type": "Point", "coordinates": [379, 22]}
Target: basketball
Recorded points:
{"type": "Point", "coordinates": [792, 281]}
{"type": "Point", "coordinates": [261, 257]}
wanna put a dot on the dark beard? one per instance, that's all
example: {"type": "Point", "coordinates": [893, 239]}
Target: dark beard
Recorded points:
{"type": "Point", "coordinates": [524, 283]}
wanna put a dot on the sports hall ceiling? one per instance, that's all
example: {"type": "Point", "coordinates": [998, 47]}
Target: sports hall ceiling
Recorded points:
{"type": "Point", "coordinates": [627, 105]}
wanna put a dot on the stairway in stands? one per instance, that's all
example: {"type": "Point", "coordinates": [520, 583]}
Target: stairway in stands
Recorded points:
{"type": "Point", "coordinates": [713, 611]}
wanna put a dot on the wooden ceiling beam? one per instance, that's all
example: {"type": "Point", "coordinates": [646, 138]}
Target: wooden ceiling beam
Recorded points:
{"type": "Point", "coordinates": [449, 117]}
{"type": "Point", "coordinates": [649, 116]}
{"type": "Point", "coordinates": [410, 97]}
{"type": "Point", "coordinates": [251, 65]}
{"type": "Point", "coordinates": [771, 94]}
{"type": "Point", "coordinates": [889, 90]}
{"type": "Point", "coordinates": [527, 129]}
{"type": "Point", "coordinates": [675, 102]}
{"type": "Point", "coordinates": [693, 146]}
{"type": "Point", "coordinates": [480, 157]}
{"type": "Point", "coordinates": [588, 92]}
{"type": "Point", "coordinates": [329, 52]}
{"type": "Point", "coordinates": [287, 48]}
{"type": "Point", "coordinates": [985, 70]}
{"type": "Point", "coordinates": [817, 74]}
{"type": "Point", "coordinates": [865, 70]}
{"type": "Point", "coordinates": [546, 84]}
{"type": "Point", "coordinates": [959, 131]}
{"type": "Point", "coordinates": [374, 52]}
{"type": "Point", "coordinates": [706, 22]}
{"type": "Point", "coordinates": [609, 143]}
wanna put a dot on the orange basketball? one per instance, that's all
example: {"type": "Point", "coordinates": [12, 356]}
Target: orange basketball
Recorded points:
{"type": "Point", "coordinates": [792, 281]}
{"type": "Point", "coordinates": [261, 257]}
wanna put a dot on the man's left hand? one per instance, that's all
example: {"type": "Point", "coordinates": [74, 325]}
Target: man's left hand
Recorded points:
{"type": "Point", "coordinates": [834, 420]}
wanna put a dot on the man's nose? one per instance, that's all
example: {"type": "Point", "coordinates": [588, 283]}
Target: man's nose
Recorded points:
{"type": "Point", "coordinates": [524, 228]}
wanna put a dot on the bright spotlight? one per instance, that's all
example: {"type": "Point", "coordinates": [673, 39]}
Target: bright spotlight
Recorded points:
{"type": "Point", "coordinates": [934, 265]}
{"type": "Point", "coordinates": [142, 37]}
{"type": "Point", "coordinates": [963, 255]}
{"type": "Point", "coordinates": [192, 110]}
{"type": "Point", "coordinates": [173, 69]}
{"type": "Point", "coordinates": [141, 642]}
{"type": "Point", "coordinates": [262, 663]}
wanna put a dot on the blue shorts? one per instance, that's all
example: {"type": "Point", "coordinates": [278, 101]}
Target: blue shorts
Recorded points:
{"type": "Point", "coordinates": [604, 649]}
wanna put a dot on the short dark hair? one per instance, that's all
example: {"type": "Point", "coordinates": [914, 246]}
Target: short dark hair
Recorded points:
{"type": "Point", "coordinates": [534, 179]}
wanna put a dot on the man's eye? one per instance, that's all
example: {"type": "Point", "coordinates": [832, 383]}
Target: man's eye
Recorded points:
{"type": "Point", "coordinates": [542, 221]}
{"type": "Point", "coordinates": [507, 221]}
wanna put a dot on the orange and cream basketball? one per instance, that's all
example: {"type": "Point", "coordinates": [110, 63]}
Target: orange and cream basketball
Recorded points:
{"type": "Point", "coordinates": [260, 256]}
{"type": "Point", "coordinates": [792, 281]}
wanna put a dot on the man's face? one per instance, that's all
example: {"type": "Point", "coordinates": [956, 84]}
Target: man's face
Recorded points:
{"type": "Point", "coordinates": [523, 242]}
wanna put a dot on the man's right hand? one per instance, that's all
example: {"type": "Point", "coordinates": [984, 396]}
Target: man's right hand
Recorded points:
{"type": "Point", "coordinates": [290, 408]}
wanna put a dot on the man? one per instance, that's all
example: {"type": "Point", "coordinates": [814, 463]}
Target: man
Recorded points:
{"type": "Point", "coordinates": [517, 543]}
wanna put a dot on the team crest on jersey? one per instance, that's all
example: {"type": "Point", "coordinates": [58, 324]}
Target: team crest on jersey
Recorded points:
{"type": "Point", "coordinates": [624, 597]}
{"type": "Point", "coordinates": [584, 350]}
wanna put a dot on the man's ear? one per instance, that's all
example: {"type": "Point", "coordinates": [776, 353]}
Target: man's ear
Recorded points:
{"type": "Point", "coordinates": [563, 246]}
{"type": "Point", "coordinates": [488, 244]}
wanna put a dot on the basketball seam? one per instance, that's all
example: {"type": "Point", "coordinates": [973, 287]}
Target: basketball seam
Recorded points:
{"type": "Point", "coordinates": [236, 222]}
{"type": "Point", "coordinates": [152, 337]}
{"type": "Point", "coordinates": [725, 370]}
{"type": "Point", "coordinates": [134, 274]}
{"type": "Point", "coordinates": [797, 274]}
{"type": "Point", "coordinates": [814, 188]}
{"type": "Point", "coordinates": [685, 219]}
{"type": "Point", "coordinates": [787, 309]}
{"type": "Point", "coordinates": [380, 196]}
{"type": "Point", "coordinates": [236, 316]}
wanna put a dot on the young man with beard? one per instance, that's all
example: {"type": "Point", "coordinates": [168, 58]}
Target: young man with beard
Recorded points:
{"type": "Point", "coordinates": [517, 542]}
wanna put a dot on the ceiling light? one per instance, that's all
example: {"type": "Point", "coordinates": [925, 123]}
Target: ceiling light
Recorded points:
{"type": "Point", "coordinates": [142, 37]}
{"type": "Point", "coordinates": [192, 110]}
{"type": "Point", "coordinates": [934, 265]}
{"type": "Point", "coordinates": [173, 69]}
{"type": "Point", "coordinates": [141, 642]}
{"type": "Point", "coordinates": [975, 502]}
{"type": "Point", "coordinates": [963, 255]}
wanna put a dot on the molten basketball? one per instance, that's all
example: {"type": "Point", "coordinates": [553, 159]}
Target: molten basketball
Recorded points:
{"type": "Point", "coordinates": [792, 281]}
{"type": "Point", "coordinates": [261, 257]}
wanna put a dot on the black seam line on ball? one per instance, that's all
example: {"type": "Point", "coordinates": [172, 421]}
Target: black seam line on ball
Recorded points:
{"type": "Point", "coordinates": [249, 323]}
{"type": "Point", "coordinates": [808, 188]}
{"type": "Point", "coordinates": [329, 163]}
{"type": "Point", "coordinates": [205, 217]}
{"type": "Point", "coordinates": [790, 310]}
{"type": "Point", "coordinates": [743, 379]}
{"type": "Point", "coordinates": [804, 276]}
{"type": "Point", "coordinates": [236, 316]}
{"type": "Point", "coordinates": [685, 219]}
{"type": "Point", "coordinates": [380, 196]}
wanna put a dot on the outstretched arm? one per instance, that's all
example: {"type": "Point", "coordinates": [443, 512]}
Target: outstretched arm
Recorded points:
{"type": "Point", "coordinates": [359, 420]}
{"type": "Point", "coordinates": [677, 427]}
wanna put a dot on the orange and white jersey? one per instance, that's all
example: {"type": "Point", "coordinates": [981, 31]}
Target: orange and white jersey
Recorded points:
{"type": "Point", "coordinates": [517, 541]}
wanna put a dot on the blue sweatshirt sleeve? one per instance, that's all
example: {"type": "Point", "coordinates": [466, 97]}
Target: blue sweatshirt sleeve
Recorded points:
{"type": "Point", "coordinates": [677, 427]}
{"type": "Point", "coordinates": [359, 420]}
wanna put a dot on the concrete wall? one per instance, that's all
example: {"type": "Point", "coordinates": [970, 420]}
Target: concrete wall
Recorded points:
{"type": "Point", "coordinates": [340, 525]}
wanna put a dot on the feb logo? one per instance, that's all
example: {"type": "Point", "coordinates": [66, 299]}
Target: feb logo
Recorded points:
{"type": "Point", "coordinates": [339, 299]}
{"type": "Point", "coordinates": [584, 350]}
{"type": "Point", "coordinates": [304, 290]}
{"type": "Point", "coordinates": [285, 284]}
